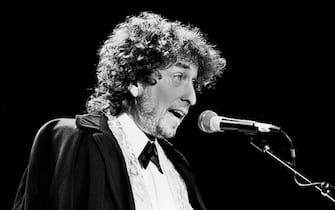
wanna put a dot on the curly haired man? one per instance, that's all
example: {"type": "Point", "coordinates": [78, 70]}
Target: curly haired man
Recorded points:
{"type": "Point", "coordinates": [118, 155]}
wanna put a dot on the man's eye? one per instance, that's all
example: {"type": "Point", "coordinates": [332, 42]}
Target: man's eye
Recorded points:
{"type": "Point", "coordinates": [178, 77]}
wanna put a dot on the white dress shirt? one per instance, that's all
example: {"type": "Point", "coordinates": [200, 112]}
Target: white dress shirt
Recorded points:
{"type": "Point", "coordinates": [165, 191]}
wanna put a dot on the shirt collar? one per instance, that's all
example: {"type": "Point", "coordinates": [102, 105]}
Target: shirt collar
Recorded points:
{"type": "Point", "coordinates": [135, 135]}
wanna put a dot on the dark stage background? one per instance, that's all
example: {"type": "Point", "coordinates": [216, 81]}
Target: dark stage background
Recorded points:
{"type": "Point", "coordinates": [280, 62]}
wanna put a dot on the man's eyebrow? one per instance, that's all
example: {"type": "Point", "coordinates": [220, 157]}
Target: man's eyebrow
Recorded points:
{"type": "Point", "coordinates": [183, 65]}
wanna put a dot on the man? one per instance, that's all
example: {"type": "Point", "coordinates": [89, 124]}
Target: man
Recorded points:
{"type": "Point", "coordinates": [117, 156]}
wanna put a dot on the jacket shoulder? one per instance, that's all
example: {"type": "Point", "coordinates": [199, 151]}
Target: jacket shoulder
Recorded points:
{"type": "Point", "coordinates": [66, 127]}
{"type": "Point", "coordinates": [57, 128]}
{"type": "Point", "coordinates": [55, 136]}
{"type": "Point", "coordinates": [58, 123]}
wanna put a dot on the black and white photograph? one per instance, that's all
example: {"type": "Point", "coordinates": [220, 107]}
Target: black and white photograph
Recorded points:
{"type": "Point", "coordinates": [167, 106]}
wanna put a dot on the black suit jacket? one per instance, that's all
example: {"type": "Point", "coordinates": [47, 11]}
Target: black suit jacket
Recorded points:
{"type": "Point", "coordinates": [78, 164]}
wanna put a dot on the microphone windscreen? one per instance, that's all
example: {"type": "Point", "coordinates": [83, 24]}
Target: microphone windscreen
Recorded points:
{"type": "Point", "coordinates": [205, 119]}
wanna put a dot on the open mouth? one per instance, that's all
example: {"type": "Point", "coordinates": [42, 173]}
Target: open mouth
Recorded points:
{"type": "Point", "coordinates": [177, 113]}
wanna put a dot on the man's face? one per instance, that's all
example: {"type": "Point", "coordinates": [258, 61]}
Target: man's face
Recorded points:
{"type": "Point", "coordinates": [162, 107]}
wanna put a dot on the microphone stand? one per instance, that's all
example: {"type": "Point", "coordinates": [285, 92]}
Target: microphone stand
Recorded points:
{"type": "Point", "coordinates": [324, 187]}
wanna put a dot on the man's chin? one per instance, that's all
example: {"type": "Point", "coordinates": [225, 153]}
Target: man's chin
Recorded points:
{"type": "Point", "coordinates": [168, 133]}
{"type": "Point", "coordinates": [167, 128]}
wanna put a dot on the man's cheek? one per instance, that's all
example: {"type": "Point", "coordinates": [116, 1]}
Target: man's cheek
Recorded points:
{"type": "Point", "coordinates": [166, 95]}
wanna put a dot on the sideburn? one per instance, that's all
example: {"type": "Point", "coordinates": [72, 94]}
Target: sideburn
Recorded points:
{"type": "Point", "coordinates": [141, 111]}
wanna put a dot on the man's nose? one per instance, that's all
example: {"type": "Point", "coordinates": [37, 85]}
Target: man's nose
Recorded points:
{"type": "Point", "coordinates": [190, 94]}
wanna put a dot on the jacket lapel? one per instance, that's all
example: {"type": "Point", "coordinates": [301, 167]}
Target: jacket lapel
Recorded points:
{"type": "Point", "coordinates": [183, 168]}
{"type": "Point", "coordinates": [111, 153]}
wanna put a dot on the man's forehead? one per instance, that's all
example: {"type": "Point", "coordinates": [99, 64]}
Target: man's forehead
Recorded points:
{"type": "Point", "coordinates": [189, 67]}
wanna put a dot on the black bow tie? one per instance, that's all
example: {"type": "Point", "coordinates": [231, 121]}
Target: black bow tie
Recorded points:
{"type": "Point", "coordinates": [149, 153]}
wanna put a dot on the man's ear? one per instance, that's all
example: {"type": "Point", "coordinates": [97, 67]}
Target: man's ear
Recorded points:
{"type": "Point", "coordinates": [135, 90]}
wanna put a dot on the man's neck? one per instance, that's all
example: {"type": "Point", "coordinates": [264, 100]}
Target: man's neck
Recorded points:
{"type": "Point", "coordinates": [143, 123]}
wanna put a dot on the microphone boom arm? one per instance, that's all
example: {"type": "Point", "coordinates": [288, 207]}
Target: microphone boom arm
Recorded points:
{"type": "Point", "coordinates": [326, 189]}
{"type": "Point", "coordinates": [210, 122]}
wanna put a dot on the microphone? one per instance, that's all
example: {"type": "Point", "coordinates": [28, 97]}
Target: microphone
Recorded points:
{"type": "Point", "coordinates": [210, 122]}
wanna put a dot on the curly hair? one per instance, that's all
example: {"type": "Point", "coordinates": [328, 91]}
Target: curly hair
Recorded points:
{"type": "Point", "coordinates": [140, 46]}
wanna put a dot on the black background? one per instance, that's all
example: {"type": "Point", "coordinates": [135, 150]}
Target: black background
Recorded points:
{"type": "Point", "coordinates": [280, 62]}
